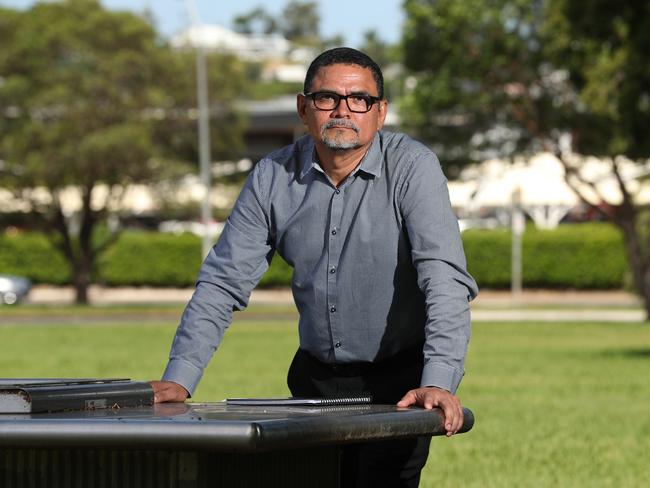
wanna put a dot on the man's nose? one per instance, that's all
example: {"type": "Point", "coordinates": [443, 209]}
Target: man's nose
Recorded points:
{"type": "Point", "coordinates": [341, 110]}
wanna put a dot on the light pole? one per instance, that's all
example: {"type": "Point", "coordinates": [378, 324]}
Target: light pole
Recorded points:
{"type": "Point", "coordinates": [517, 225]}
{"type": "Point", "coordinates": [204, 130]}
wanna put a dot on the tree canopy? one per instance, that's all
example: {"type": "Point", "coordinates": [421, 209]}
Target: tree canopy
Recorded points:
{"type": "Point", "coordinates": [465, 92]}
{"type": "Point", "coordinates": [88, 97]}
{"type": "Point", "coordinates": [509, 77]}
{"type": "Point", "coordinates": [604, 46]}
{"type": "Point", "coordinates": [298, 22]}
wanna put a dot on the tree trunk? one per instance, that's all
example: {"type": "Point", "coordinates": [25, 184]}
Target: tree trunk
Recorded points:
{"type": "Point", "coordinates": [625, 216]}
{"type": "Point", "coordinates": [636, 257]}
{"type": "Point", "coordinates": [81, 280]}
{"type": "Point", "coordinates": [77, 249]}
{"type": "Point", "coordinates": [86, 256]}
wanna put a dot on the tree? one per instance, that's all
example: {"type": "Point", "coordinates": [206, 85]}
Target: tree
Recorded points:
{"type": "Point", "coordinates": [84, 100]}
{"type": "Point", "coordinates": [477, 54]}
{"type": "Point", "coordinates": [604, 48]}
{"type": "Point", "coordinates": [301, 22]}
{"type": "Point", "coordinates": [257, 21]}
{"type": "Point", "coordinates": [510, 77]}
{"type": "Point", "coordinates": [375, 47]}
{"type": "Point", "coordinates": [174, 130]}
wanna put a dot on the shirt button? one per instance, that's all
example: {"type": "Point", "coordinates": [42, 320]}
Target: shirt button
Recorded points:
{"type": "Point", "coordinates": [337, 191]}
{"type": "Point", "coordinates": [332, 309]}
{"type": "Point", "coordinates": [337, 345]}
{"type": "Point", "coordinates": [333, 269]}
{"type": "Point", "coordinates": [333, 232]}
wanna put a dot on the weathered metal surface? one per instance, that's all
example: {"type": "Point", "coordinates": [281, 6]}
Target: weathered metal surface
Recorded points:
{"type": "Point", "coordinates": [218, 427]}
{"type": "Point", "coordinates": [31, 396]}
{"type": "Point", "coordinates": [96, 468]}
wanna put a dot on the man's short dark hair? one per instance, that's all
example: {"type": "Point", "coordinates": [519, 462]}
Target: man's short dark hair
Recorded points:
{"type": "Point", "coordinates": [344, 55]}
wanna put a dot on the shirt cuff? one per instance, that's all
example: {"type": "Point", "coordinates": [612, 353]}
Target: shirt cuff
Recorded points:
{"type": "Point", "coordinates": [441, 375]}
{"type": "Point", "coordinates": [185, 374]}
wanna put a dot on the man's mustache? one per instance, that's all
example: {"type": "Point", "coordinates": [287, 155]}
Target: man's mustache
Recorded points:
{"type": "Point", "coordinates": [341, 123]}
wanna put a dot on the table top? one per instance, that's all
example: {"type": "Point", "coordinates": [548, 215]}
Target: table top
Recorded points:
{"type": "Point", "coordinates": [220, 427]}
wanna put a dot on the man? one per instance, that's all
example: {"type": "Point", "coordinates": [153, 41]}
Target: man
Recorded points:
{"type": "Point", "coordinates": [379, 278]}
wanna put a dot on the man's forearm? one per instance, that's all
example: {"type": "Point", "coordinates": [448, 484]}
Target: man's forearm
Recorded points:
{"type": "Point", "coordinates": [447, 332]}
{"type": "Point", "coordinates": [206, 317]}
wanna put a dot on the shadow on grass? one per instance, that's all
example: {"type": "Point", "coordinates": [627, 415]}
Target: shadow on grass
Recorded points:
{"type": "Point", "coordinates": [626, 353]}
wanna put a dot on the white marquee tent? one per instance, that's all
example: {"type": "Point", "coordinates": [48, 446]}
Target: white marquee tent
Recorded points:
{"type": "Point", "coordinates": [541, 187]}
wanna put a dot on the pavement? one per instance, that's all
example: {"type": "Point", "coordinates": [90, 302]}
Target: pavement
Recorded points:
{"type": "Point", "coordinates": [491, 305]}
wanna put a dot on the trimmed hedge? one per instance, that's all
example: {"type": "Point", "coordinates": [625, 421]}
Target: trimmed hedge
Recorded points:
{"type": "Point", "coordinates": [151, 259]}
{"type": "Point", "coordinates": [155, 259]}
{"type": "Point", "coordinates": [32, 255]}
{"type": "Point", "coordinates": [581, 256]}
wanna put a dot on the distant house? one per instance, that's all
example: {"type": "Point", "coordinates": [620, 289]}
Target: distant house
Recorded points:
{"type": "Point", "coordinates": [281, 60]}
{"type": "Point", "coordinates": [218, 38]}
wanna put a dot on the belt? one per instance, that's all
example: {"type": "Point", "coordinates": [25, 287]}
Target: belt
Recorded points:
{"type": "Point", "coordinates": [403, 358]}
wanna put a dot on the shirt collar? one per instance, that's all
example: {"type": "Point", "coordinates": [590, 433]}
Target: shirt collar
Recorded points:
{"type": "Point", "coordinates": [370, 164]}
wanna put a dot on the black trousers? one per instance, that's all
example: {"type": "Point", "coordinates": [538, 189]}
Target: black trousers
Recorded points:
{"type": "Point", "coordinates": [395, 463]}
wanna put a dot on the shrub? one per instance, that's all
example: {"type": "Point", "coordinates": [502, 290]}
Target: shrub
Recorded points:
{"type": "Point", "coordinates": [581, 256]}
{"type": "Point", "coordinates": [488, 256]}
{"type": "Point", "coordinates": [154, 259]}
{"type": "Point", "coordinates": [151, 259]}
{"type": "Point", "coordinates": [32, 255]}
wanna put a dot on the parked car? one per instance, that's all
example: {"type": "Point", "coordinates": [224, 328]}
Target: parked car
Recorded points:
{"type": "Point", "coordinates": [13, 289]}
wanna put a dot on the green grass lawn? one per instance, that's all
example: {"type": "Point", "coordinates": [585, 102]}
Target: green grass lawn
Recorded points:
{"type": "Point", "coordinates": [556, 405]}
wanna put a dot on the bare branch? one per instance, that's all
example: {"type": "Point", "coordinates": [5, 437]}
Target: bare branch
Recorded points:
{"type": "Point", "coordinates": [571, 174]}
{"type": "Point", "coordinates": [627, 198]}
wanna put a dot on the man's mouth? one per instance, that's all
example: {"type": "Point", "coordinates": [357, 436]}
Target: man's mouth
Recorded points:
{"type": "Point", "coordinates": [341, 124]}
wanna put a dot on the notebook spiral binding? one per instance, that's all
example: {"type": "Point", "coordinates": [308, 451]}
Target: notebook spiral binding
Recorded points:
{"type": "Point", "coordinates": [335, 401]}
{"type": "Point", "coordinates": [316, 402]}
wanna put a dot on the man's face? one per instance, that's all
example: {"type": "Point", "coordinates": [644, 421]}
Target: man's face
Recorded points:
{"type": "Point", "coordinates": [341, 129]}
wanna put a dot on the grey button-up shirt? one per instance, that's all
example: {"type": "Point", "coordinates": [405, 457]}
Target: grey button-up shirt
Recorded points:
{"type": "Point", "coordinates": [378, 261]}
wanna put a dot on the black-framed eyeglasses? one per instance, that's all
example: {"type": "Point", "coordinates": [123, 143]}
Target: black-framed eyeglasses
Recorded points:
{"type": "Point", "coordinates": [359, 103]}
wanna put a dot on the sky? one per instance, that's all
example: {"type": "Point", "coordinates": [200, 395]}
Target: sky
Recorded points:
{"type": "Point", "coordinates": [349, 18]}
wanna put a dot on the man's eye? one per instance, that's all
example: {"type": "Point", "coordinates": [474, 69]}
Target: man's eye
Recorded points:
{"type": "Point", "coordinates": [326, 97]}
{"type": "Point", "coordinates": [359, 99]}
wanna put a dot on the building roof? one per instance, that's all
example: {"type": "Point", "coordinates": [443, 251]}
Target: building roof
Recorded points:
{"type": "Point", "coordinates": [217, 38]}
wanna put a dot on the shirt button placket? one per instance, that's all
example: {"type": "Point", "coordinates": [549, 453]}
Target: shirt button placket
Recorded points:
{"type": "Point", "coordinates": [334, 254]}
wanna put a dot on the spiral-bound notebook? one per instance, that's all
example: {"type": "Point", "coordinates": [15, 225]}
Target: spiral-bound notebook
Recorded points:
{"type": "Point", "coordinates": [292, 401]}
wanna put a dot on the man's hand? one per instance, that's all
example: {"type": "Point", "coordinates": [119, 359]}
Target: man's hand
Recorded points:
{"type": "Point", "coordinates": [168, 391]}
{"type": "Point", "coordinates": [429, 397]}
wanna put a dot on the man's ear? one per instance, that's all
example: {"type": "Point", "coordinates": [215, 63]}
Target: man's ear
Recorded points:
{"type": "Point", "coordinates": [301, 107]}
{"type": "Point", "coordinates": [382, 111]}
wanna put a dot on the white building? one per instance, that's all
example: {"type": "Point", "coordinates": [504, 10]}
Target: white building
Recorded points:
{"type": "Point", "coordinates": [540, 185]}
{"type": "Point", "coordinates": [282, 61]}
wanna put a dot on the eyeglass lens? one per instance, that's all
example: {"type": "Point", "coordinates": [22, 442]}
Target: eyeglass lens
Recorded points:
{"type": "Point", "coordinates": [356, 103]}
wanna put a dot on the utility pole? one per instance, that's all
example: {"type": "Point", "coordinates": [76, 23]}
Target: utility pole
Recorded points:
{"type": "Point", "coordinates": [204, 131]}
{"type": "Point", "coordinates": [518, 225]}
